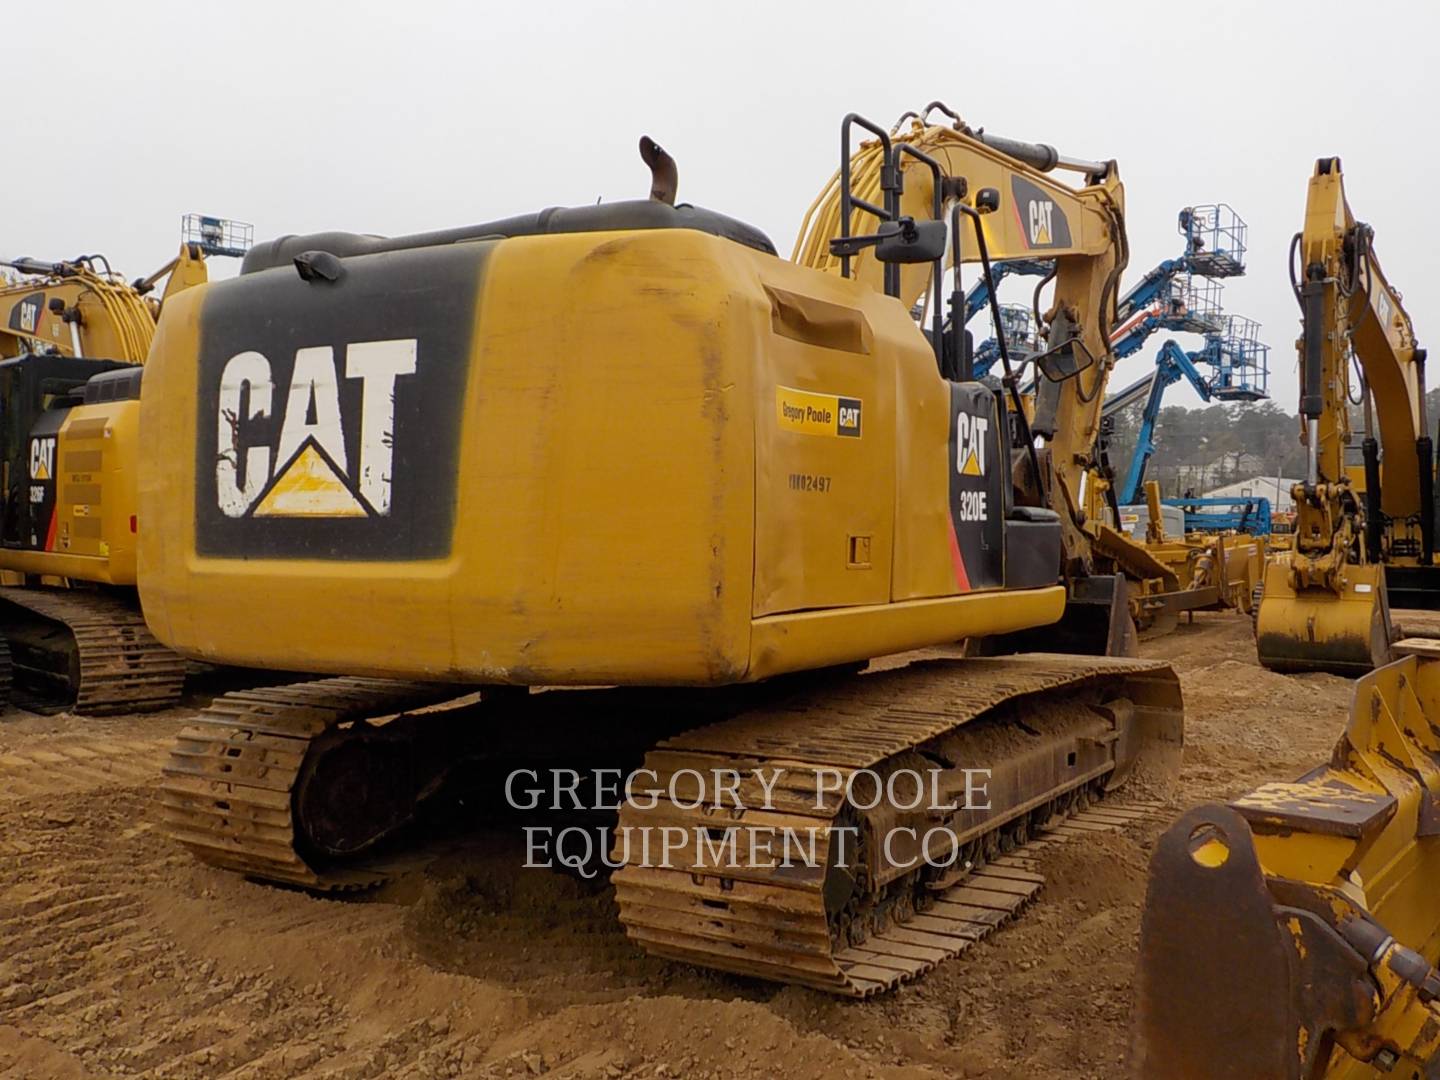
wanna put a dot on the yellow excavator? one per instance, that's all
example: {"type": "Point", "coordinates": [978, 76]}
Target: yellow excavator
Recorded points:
{"type": "Point", "coordinates": [71, 352]}
{"type": "Point", "coordinates": [627, 445]}
{"type": "Point", "coordinates": [1358, 548]}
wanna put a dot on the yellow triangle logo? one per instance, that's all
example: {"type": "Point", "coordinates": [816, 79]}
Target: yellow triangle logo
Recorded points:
{"type": "Point", "coordinates": [971, 466]}
{"type": "Point", "coordinates": [41, 472]}
{"type": "Point", "coordinates": [310, 487]}
{"type": "Point", "coordinates": [1042, 235]}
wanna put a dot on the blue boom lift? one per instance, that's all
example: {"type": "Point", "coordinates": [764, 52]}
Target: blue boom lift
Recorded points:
{"type": "Point", "coordinates": [1242, 514]}
{"type": "Point", "coordinates": [1181, 295]}
{"type": "Point", "coordinates": [1237, 369]}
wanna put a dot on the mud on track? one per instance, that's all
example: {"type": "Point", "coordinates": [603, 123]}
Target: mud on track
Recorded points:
{"type": "Point", "coordinates": [120, 957]}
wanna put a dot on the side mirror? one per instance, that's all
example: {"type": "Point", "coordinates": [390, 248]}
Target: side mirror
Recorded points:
{"type": "Point", "coordinates": [911, 241]}
{"type": "Point", "coordinates": [1065, 360]}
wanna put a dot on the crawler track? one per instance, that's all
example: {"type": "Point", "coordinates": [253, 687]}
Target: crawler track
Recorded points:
{"type": "Point", "coordinates": [7, 670]}
{"type": "Point", "coordinates": [228, 789]}
{"type": "Point", "coordinates": [90, 652]}
{"type": "Point", "coordinates": [1056, 732]}
{"type": "Point", "coordinates": [1059, 731]}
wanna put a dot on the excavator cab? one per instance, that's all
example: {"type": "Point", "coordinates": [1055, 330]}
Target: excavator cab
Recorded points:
{"type": "Point", "coordinates": [1024, 540]}
{"type": "Point", "coordinates": [1097, 619]}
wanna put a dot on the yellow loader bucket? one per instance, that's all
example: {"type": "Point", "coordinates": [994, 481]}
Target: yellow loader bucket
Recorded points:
{"type": "Point", "coordinates": [1293, 934]}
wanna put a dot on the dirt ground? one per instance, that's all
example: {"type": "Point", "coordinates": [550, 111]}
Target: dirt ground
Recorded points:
{"type": "Point", "coordinates": [121, 957]}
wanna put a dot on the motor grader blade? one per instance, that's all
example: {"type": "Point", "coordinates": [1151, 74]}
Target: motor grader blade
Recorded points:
{"type": "Point", "coordinates": [1319, 630]}
{"type": "Point", "coordinates": [1292, 935]}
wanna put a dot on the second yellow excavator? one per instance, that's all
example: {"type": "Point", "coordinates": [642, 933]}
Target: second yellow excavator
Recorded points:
{"type": "Point", "coordinates": [70, 371]}
{"type": "Point", "coordinates": [628, 445]}
{"type": "Point", "coordinates": [1357, 548]}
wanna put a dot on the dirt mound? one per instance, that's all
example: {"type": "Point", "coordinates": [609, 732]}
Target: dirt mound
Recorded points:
{"type": "Point", "coordinates": [1229, 685]}
{"type": "Point", "coordinates": [482, 913]}
{"type": "Point", "coordinates": [24, 1058]}
{"type": "Point", "coordinates": [1105, 871]}
{"type": "Point", "coordinates": [680, 1037]}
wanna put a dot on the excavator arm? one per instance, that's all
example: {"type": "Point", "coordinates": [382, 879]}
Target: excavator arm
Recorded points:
{"type": "Point", "coordinates": [73, 308]}
{"type": "Point", "coordinates": [1327, 607]}
{"type": "Point", "coordinates": [82, 308]}
{"type": "Point", "coordinates": [1348, 305]}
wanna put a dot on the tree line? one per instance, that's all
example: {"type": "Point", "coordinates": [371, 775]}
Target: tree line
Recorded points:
{"type": "Point", "coordinates": [1222, 444]}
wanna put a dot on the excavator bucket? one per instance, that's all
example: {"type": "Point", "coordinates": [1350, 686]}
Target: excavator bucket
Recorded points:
{"type": "Point", "coordinates": [1291, 935]}
{"type": "Point", "coordinates": [1319, 630]}
{"type": "Point", "coordinates": [1097, 622]}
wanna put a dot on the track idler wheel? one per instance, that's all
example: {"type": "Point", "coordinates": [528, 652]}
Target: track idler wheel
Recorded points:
{"type": "Point", "coordinates": [361, 783]}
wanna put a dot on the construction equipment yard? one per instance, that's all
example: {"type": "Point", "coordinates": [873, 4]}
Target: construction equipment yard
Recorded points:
{"type": "Point", "coordinates": [902, 581]}
{"type": "Point", "coordinates": [127, 958]}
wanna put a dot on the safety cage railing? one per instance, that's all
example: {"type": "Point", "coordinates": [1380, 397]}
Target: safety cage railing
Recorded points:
{"type": "Point", "coordinates": [1241, 361]}
{"type": "Point", "coordinates": [1192, 304]}
{"type": "Point", "coordinates": [1215, 237]}
{"type": "Point", "coordinates": [217, 236]}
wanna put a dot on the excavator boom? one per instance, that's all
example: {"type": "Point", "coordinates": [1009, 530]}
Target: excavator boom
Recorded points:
{"type": "Point", "coordinates": [1326, 605]}
{"type": "Point", "coordinates": [73, 308]}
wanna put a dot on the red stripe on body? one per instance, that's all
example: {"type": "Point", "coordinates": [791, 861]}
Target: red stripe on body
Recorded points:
{"type": "Point", "coordinates": [962, 579]}
{"type": "Point", "coordinates": [1024, 230]}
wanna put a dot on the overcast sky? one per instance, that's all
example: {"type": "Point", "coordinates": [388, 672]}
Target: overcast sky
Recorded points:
{"type": "Point", "coordinates": [400, 117]}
